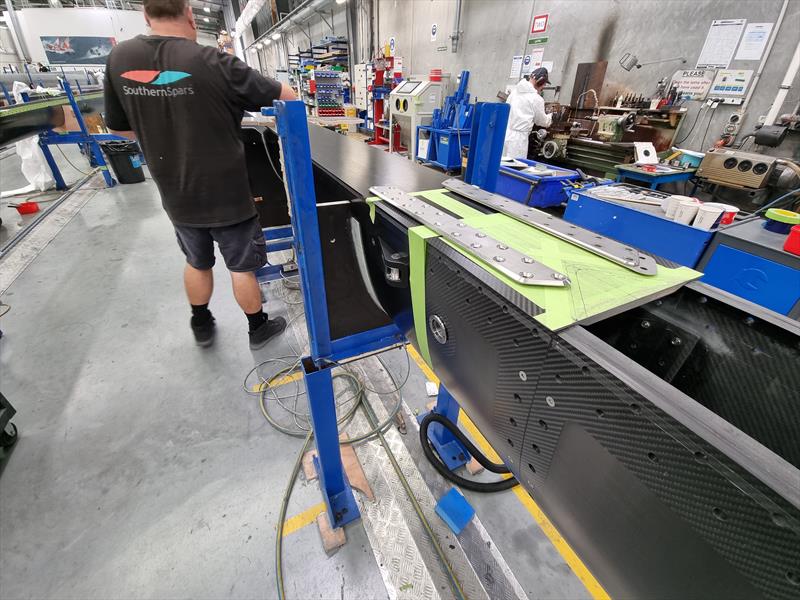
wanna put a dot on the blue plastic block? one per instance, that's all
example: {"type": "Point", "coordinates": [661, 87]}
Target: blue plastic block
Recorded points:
{"type": "Point", "coordinates": [454, 510]}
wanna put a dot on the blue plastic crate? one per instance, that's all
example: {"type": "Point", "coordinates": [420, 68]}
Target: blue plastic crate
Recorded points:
{"type": "Point", "coordinates": [643, 227]}
{"type": "Point", "coordinates": [535, 190]}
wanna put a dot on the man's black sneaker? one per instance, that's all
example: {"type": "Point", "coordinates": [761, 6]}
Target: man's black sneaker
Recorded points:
{"type": "Point", "coordinates": [266, 331]}
{"type": "Point", "coordinates": [204, 333]}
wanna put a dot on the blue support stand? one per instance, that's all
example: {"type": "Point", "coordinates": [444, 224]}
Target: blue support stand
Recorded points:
{"type": "Point", "coordinates": [486, 145]}
{"type": "Point", "coordinates": [83, 137]}
{"type": "Point", "coordinates": [450, 450]}
{"type": "Point", "coordinates": [488, 133]}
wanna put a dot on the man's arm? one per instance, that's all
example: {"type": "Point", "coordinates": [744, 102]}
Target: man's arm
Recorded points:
{"type": "Point", "coordinates": [251, 89]}
{"type": "Point", "coordinates": [115, 117]}
{"type": "Point", "coordinates": [540, 117]}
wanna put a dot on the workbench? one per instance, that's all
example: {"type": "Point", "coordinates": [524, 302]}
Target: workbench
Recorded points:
{"type": "Point", "coordinates": [632, 171]}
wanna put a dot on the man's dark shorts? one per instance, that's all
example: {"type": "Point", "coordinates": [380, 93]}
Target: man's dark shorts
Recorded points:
{"type": "Point", "coordinates": [242, 245]}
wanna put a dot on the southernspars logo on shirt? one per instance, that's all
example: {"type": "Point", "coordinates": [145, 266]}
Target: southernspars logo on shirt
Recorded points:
{"type": "Point", "coordinates": [157, 78]}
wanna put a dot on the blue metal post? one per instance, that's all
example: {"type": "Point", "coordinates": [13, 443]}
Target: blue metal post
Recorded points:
{"type": "Point", "coordinates": [336, 490]}
{"type": "Point", "coordinates": [9, 98]}
{"type": "Point", "coordinates": [293, 133]}
{"type": "Point", "coordinates": [299, 177]}
{"type": "Point", "coordinates": [450, 450]}
{"type": "Point", "coordinates": [48, 156]}
{"type": "Point", "coordinates": [486, 144]}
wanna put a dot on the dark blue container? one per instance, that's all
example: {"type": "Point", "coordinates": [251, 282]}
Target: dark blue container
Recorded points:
{"type": "Point", "coordinates": [535, 190]}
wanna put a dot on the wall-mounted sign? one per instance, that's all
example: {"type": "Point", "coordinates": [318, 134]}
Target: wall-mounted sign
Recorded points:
{"type": "Point", "coordinates": [434, 31]}
{"type": "Point", "coordinates": [731, 82]}
{"type": "Point", "coordinates": [538, 40]}
{"type": "Point", "coordinates": [516, 67]}
{"type": "Point", "coordinates": [721, 41]}
{"type": "Point", "coordinates": [539, 24]}
{"type": "Point", "coordinates": [754, 41]}
{"type": "Point", "coordinates": [693, 83]}
{"type": "Point", "coordinates": [392, 46]}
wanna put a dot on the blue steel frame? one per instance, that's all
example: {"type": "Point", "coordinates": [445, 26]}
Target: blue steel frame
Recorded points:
{"type": "Point", "coordinates": [325, 352]}
{"type": "Point", "coordinates": [488, 132]}
{"type": "Point", "coordinates": [277, 238]}
{"type": "Point", "coordinates": [83, 137]}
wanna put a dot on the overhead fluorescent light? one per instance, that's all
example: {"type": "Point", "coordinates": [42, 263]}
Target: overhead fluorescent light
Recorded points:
{"type": "Point", "coordinates": [205, 8]}
{"type": "Point", "coordinates": [340, 1]}
{"type": "Point", "coordinates": [276, 36]}
{"type": "Point", "coordinates": [267, 42]}
{"type": "Point", "coordinates": [258, 45]}
{"type": "Point", "coordinates": [206, 19]}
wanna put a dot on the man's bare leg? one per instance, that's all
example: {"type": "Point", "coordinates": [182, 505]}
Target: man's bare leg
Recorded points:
{"type": "Point", "coordinates": [247, 292]}
{"type": "Point", "coordinates": [199, 285]}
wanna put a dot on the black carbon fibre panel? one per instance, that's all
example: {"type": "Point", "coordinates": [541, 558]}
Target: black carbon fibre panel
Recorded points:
{"type": "Point", "coordinates": [745, 370]}
{"type": "Point", "coordinates": [653, 509]}
{"type": "Point", "coordinates": [458, 262]}
{"type": "Point", "coordinates": [480, 322]}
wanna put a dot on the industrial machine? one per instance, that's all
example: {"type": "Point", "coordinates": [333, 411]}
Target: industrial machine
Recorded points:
{"type": "Point", "coordinates": [652, 418]}
{"type": "Point", "coordinates": [736, 169]}
{"type": "Point", "coordinates": [612, 128]}
{"type": "Point", "coordinates": [412, 104]}
{"type": "Point", "coordinates": [384, 131]}
{"type": "Point", "coordinates": [441, 143]}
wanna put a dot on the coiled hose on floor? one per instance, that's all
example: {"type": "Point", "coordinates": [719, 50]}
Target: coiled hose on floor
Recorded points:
{"type": "Point", "coordinates": [467, 484]}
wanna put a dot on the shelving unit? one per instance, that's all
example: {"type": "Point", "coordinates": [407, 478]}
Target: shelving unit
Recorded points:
{"type": "Point", "coordinates": [318, 73]}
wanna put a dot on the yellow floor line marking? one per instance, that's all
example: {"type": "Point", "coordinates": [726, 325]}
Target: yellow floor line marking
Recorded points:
{"type": "Point", "coordinates": [278, 382]}
{"type": "Point", "coordinates": [300, 520]}
{"type": "Point", "coordinates": [567, 553]}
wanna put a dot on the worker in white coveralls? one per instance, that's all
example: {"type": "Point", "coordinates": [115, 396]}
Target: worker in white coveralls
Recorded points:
{"type": "Point", "coordinates": [527, 110]}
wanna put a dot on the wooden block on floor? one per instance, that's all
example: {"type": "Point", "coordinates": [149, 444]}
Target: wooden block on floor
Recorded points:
{"type": "Point", "coordinates": [352, 468]}
{"type": "Point", "coordinates": [355, 473]}
{"type": "Point", "coordinates": [332, 539]}
{"type": "Point", "coordinates": [308, 465]}
{"type": "Point", "coordinates": [473, 467]}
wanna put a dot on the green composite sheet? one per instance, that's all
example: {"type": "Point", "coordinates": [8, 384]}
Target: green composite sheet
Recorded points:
{"type": "Point", "coordinates": [598, 286]}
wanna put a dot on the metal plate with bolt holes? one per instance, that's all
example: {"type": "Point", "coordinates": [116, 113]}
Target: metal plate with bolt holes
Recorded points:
{"type": "Point", "coordinates": [518, 266]}
{"type": "Point", "coordinates": [625, 256]}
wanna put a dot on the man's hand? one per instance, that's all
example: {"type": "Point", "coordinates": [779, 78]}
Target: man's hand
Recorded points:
{"type": "Point", "coordinates": [287, 92]}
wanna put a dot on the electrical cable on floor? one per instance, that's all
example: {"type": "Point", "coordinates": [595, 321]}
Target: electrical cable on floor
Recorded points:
{"type": "Point", "coordinates": [454, 584]}
{"type": "Point", "coordinates": [70, 162]}
{"type": "Point", "coordinates": [475, 486]}
{"type": "Point", "coordinates": [7, 308]}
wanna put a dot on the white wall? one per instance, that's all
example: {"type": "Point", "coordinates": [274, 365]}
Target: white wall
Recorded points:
{"type": "Point", "coordinates": [36, 22]}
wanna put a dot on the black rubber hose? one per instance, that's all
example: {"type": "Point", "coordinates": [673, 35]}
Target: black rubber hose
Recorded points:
{"type": "Point", "coordinates": [467, 484]}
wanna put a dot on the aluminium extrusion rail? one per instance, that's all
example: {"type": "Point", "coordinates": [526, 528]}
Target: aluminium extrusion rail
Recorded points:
{"type": "Point", "coordinates": [621, 254]}
{"type": "Point", "coordinates": [518, 266]}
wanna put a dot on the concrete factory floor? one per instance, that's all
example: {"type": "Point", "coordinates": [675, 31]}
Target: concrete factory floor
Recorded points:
{"type": "Point", "coordinates": [143, 470]}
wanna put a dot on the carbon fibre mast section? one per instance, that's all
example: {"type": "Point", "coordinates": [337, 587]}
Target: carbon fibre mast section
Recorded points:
{"type": "Point", "coordinates": [518, 266]}
{"type": "Point", "coordinates": [612, 250]}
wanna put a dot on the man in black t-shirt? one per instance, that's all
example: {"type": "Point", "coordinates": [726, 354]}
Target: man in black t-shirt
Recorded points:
{"type": "Point", "coordinates": [184, 103]}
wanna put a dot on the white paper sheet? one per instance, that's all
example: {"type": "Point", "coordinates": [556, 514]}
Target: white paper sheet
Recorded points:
{"type": "Point", "coordinates": [754, 40]}
{"type": "Point", "coordinates": [721, 41]}
{"type": "Point", "coordinates": [516, 67]}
